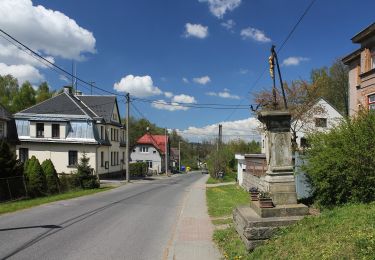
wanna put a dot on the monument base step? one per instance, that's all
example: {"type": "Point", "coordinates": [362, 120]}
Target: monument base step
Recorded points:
{"type": "Point", "coordinates": [255, 230]}
{"type": "Point", "coordinates": [288, 210]}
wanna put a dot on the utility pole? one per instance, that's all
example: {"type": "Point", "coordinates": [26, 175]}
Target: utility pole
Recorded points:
{"type": "Point", "coordinates": [179, 155]}
{"type": "Point", "coordinates": [127, 137]}
{"type": "Point", "coordinates": [166, 152]}
{"type": "Point", "coordinates": [220, 139]}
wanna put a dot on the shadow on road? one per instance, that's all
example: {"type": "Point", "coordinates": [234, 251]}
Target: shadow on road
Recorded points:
{"type": "Point", "coordinates": [43, 226]}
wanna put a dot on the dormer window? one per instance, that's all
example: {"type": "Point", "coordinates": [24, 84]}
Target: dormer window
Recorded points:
{"type": "Point", "coordinates": [55, 131]}
{"type": "Point", "coordinates": [102, 133]}
{"type": "Point", "coordinates": [39, 130]}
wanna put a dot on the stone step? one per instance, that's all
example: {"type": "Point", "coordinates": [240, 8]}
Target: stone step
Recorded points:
{"type": "Point", "coordinates": [255, 230]}
{"type": "Point", "coordinates": [288, 210]}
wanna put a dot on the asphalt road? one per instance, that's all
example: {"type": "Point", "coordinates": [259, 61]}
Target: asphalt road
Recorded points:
{"type": "Point", "coordinates": [135, 221]}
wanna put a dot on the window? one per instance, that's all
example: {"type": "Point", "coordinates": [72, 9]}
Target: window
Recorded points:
{"type": "Point", "coordinates": [23, 154]}
{"type": "Point", "coordinates": [321, 122]}
{"type": "Point", "coordinates": [117, 160]}
{"type": "Point", "coordinates": [304, 142]}
{"type": "Point", "coordinates": [144, 149]}
{"type": "Point", "coordinates": [123, 157]}
{"type": "Point", "coordinates": [371, 102]}
{"type": "Point", "coordinates": [55, 131]}
{"type": "Point", "coordinates": [149, 164]}
{"type": "Point", "coordinates": [39, 130]}
{"type": "Point", "coordinates": [102, 159]}
{"type": "Point", "coordinates": [111, 134]}
{"type": "Point", "coordinates": [111, 158]}
{"type": "Point", "coordinates": [73, 158]}
{"type": "Point", "coordinates": [2, 129]}
{"type": "Point", "coordinates": [102, 134]}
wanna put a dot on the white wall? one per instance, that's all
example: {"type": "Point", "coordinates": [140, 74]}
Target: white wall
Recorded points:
{"type": "Point", "coordinates": [152, 155]}
{"type": "Point", "coordinates": [241, 167]}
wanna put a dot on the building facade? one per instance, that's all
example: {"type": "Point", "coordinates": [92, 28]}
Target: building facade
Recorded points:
{"type": "Point", "coordinates": [66, 126]}
{"type": "Point", "coordinates": [361, 65]}
{"type": "Point", "coordinates": [152, 150]}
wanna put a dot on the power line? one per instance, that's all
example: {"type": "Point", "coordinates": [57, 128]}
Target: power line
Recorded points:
{"type": "Point", "coordinates": [279, 49]}
{"type": "Point", "coordinates": [40, 58]}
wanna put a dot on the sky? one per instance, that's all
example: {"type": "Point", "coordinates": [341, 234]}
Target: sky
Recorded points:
{"type": "Point", "coordinates": [179, 51]}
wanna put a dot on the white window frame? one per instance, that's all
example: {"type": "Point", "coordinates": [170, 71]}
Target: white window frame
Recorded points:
{"type": "Point", "coordinates": [144, 149]}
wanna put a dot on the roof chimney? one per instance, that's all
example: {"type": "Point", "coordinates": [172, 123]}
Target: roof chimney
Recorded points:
{"type": "Point", "coordinates": [78, 93]}
{"type": "Point", "coordinates": [67, 89]}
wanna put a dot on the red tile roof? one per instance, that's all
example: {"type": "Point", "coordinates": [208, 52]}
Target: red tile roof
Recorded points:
{"type": "Point", "coordinates": [158, 141]}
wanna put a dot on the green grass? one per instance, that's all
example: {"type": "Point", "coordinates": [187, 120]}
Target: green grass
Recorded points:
{"type": "Point", "coordinates": [12, 206]}
{"type": "Point", "coordinates": [222, 221]}
{"type": "Point", "coordinates": [230, 177]}
{"type": "Point", "coordinates": [222, 200]}
{"type": "Point", "coordinates": [346, 232]}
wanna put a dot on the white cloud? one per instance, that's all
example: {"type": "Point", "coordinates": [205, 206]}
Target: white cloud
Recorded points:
{"type": "Point", "coordinates": [184, 99]}
{"type": "Point", "coordinates": [196, 30]}
{"type": "Point", "coordinates": [246, 129]}
{"type": "Point", "coordinates": [168, 94]}
{"type": "Point", "coordinates": [220, 7]}
{"type": "Point", "coordinates": [202, 80]}
{"type": "Point", "coordinates": [170, 106]}
{"type": "Point", "coordinates": [185, 80]}
{"type": "Point", "coordinates": [49, 32]}
{"type": "Point", "coordinates": [294, 61]}
{"type": "Point", "coordinates": [254, 34]}
{"type": "Point", "coordinates": [223, 94]}
{"type": "Point", "coordinates": [139, 86]}
{"type": "Point", "coordinates": [228, 24]}
{"type": "Point", "coordinates": [22, 72]}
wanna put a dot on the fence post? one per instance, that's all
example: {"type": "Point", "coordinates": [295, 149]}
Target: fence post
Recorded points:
{"type": "Point", "coordinates": [10, 193]}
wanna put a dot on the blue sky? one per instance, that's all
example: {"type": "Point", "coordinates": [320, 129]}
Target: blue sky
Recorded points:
{"type": "Point", "coordinates": [173, 41]}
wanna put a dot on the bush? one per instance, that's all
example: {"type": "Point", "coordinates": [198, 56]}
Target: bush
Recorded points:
{"type": "Point", "coordinates": [53, 183]}
{"type": "Point", "coordinates": [35, 179]}
{"type": "Point", "coordinates": [341, 163]}
{"type": "Point", "coordinates": [9, 164]}
{"type": "Point", "coordinates": [69, 182]}
{"type": "Point", "coordinates": [138, 169]}
{"type": "Point", "coordinates": [84, 172]}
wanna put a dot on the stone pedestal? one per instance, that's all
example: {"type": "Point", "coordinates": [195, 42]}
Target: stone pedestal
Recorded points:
{"type": "Point", "coordinates": [280, 178]}
{"type": "Point", "coordinates": [253, 223]}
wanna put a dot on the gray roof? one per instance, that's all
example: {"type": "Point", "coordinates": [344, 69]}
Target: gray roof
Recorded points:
{"type": "Point", "coordinates": [4, 114]}
{"type": "Point", "coordinates": [66, 104]}
{"type": "Point", "coordinates": [102, 105]}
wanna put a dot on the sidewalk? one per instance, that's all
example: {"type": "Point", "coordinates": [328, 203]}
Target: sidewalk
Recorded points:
{"type": "Point", "coordinates": [193, 235]}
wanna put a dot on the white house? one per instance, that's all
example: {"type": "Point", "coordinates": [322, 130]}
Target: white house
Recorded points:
{"type": "Point", "coordinates": [151, 149]}
{"type": "Point", "coordinates": [64, 127]}
{"type": "Point", "coordinates": [322, 116]}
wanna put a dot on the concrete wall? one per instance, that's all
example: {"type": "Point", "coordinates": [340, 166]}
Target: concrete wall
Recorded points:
{"type": "Point", "coordinates": [152, 155]}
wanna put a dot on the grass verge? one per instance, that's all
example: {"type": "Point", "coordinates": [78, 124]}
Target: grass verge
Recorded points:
{"type": "Point", "coordinates": [12, 206]}
{"type": "Point", "coordinates": [230, 177]}
{"type": "Point", "coordinates": [222, 200]}
{"type": "Point", "coordinates": [346, 232]}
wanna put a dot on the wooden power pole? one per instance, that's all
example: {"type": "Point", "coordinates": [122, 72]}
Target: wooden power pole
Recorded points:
{"type": "Point", "coordinates": [127, 137]}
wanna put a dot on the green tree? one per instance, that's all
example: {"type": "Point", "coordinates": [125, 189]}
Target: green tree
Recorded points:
{"type": "Point", "coordinates": [25, 97]}
{"type": "Point", "coordinates": [52, 179]}
{"type": "Point", "coordinates": [341, 163]}
{"type": "Point", "coordinates": [9, 164]}
{"type": "Point", "coordinates": [35, 179]}
{"type": "Point", "coordinates": [43, 92]}
{"type": "Point", "coordinates": [84, 172]}
{"type": "Point", "coordinates": [8, 90]}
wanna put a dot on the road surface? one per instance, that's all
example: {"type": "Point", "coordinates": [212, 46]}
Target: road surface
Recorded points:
{"type": "Point", "coordinates": [135, 221]}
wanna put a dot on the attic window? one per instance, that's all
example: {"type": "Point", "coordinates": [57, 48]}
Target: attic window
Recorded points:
{"type": "Point", "coordinates": [144, 149]}
{"type": "Point", "coordinates": [115, 117]}
{"type": "Point", "coordinates": [40, 130]}
{"type": "Point", "coordinates": [320, 122]}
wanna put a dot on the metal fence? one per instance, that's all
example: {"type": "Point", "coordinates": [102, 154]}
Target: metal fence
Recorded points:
{"type": "Point", "coordinates": [12, 188]}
